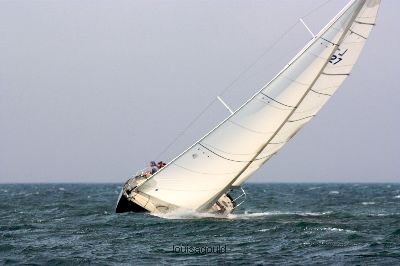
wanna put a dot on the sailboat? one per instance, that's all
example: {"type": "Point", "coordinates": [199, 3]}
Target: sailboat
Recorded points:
{"type": "Point", "coordinates": [202, 177]}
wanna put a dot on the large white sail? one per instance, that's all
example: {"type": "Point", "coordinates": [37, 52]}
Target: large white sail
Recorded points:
{"type": "Point", "coordinates": [330, 79]}
{"type": "Point", "coordinates": [237, 147]}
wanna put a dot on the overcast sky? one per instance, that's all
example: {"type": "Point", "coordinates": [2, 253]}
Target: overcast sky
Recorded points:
{"type": "Point", "coordinates": [90, 91]}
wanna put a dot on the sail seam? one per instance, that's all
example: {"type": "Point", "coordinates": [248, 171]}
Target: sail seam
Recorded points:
{"type": "Point", "coordinates": [270, 105]}
{"type": "Point", "coordinates": [237, 161]}
{"type": "Point", "coordinates": [277, 101]}
{"type": "Point", "coordinates": [364, 23]}
{"type": "Point", "coordinates": [291, 121]}
{"type": "Point", "coordinates": [326, 94]}
{"type": "Point", "coordinates": [335, 74]}
{"type": "Point", "coordinates": [213, 147]}
{"type": "Point", "coordinates": [223, 157]}
{"type": "Point", "coordinates": [334, 44]}
{"type": "Point", "coordinates": [358, 34]}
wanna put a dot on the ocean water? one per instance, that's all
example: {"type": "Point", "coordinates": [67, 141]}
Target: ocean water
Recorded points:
{"type": "Point", "coordinates": [282, 224]}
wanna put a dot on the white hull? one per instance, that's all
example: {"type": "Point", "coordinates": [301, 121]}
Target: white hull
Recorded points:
{"type": "Point", "coordinates": [132, 200]}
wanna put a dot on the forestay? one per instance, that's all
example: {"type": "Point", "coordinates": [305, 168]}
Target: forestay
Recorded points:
{"type": "Point", "coordinates": [237, 147]}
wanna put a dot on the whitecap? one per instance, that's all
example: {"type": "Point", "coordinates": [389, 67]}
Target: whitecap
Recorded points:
{"type": "Point", "coordinates": [334, 229]}
{"type": "Point", "coordinates": [61, 188]}
{"type": "Point", "coordinates": [367, 203]}
{"type": "Point", "coordinates": [333, 192]}
{"type": "Point", "coordinates": [314, 213]}
{"type": "Point", "coordinates": [397, 197]}
{"type": "Point", "coordinates": [384, 214]}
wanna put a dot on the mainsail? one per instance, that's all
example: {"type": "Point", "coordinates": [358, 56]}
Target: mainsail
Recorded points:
{"type": "Point", "coordinates": [232, 151]}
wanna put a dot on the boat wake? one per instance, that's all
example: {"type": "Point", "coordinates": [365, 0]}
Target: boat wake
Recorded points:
{"type": "Point", "coordinates": [184, 215]}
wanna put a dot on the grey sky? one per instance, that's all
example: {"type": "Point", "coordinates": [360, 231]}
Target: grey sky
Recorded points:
{"type": "Point", "coordinates": [90, 91]}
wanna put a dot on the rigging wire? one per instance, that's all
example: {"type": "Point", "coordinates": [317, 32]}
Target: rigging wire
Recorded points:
{"type": "Point", "coordinates": [316, 8]}
{"type": "Point", "coordinates": [234, 81]}
{"type": "Point", "coordinates": [226, 89]}
{"type": "Point", "coordinates": [185, 129]}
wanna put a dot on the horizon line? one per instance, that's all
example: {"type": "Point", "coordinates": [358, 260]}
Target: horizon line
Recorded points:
{"type": "Point", "coordinates": [267, 182]}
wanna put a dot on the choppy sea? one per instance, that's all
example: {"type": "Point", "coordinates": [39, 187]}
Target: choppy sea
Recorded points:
{"type": "Point", "coordinates": [282, 224]}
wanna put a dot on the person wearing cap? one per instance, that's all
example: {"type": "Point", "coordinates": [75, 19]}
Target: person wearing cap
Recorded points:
{"type": "Point", "coordinates": [153, 167]}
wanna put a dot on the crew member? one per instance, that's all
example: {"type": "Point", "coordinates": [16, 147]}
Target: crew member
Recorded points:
{"type": "Point", "coordinates": [153, 167]}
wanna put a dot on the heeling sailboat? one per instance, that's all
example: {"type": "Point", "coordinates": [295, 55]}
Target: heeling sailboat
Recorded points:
{"type": "Point", "coordinates": [201, 177]}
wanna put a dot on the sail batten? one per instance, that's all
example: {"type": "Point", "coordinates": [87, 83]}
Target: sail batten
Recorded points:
{"type": "Point", "coordinates": [256, 131]}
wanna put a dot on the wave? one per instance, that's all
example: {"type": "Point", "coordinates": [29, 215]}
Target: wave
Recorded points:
{"type": "Point", "coordinates": [384, 214]}
{"type": "Point", "coordinates": [313, 188]}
